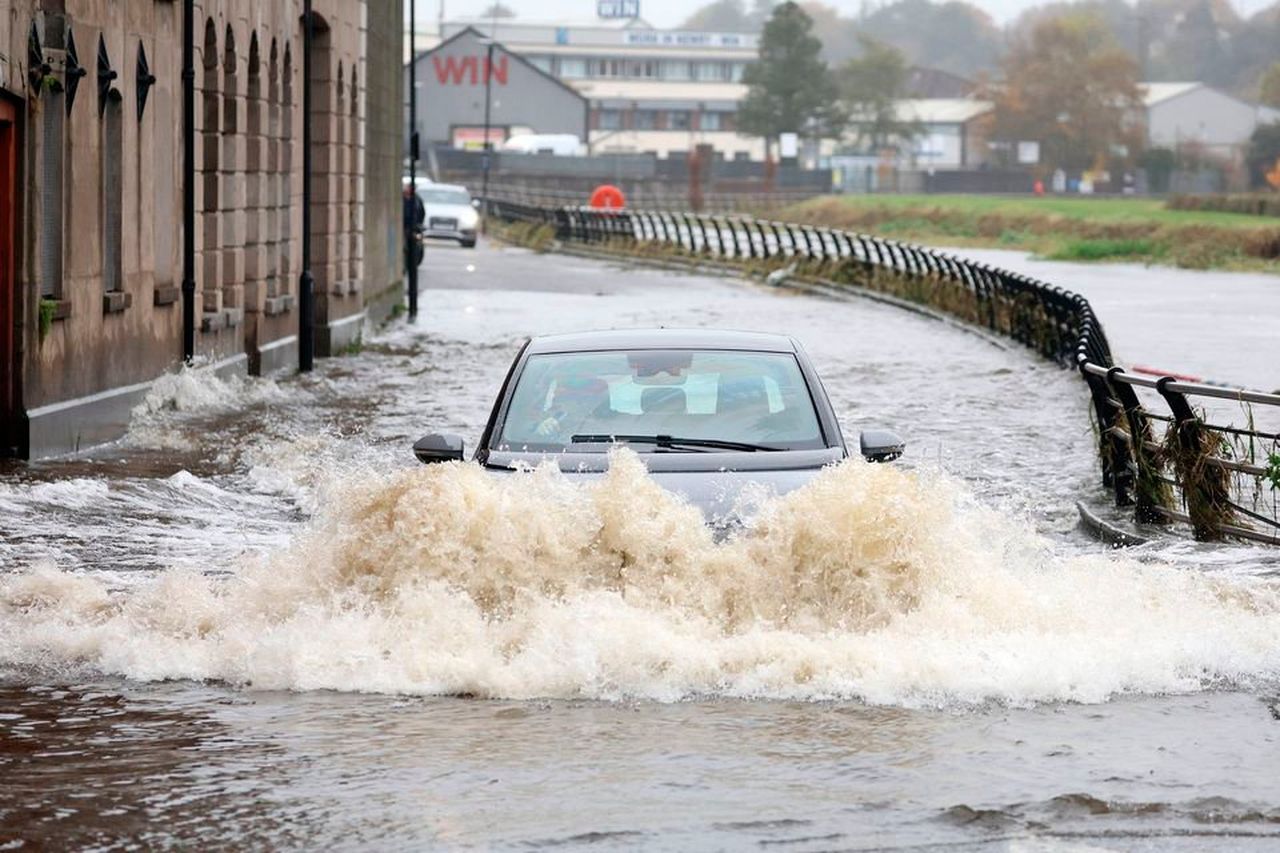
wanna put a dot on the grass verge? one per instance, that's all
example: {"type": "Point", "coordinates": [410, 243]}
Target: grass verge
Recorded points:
{"type": "Point", "coordinates": [1134, 230]}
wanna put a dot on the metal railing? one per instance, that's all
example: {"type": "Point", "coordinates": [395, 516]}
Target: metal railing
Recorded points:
{"type": "Point", "coordinates": [656, 195]}
{"type": "Point", "coordinates": [1221, 479]}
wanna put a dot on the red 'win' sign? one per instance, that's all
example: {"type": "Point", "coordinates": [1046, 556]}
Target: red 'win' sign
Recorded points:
{"type": "Point", "coordinates": [457, 70]}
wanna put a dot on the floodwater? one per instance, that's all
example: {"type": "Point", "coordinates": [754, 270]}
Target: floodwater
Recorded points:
{"type": "Point", "coordinates": [1217, 326]}
{"type": "Point", "coordinates": [258, 622]}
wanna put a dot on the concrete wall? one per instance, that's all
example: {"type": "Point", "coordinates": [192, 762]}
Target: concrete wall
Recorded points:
{"type": "Point", "coordinates": [451, 92]}
{"type": "Point", "coordinates": [102, 206]}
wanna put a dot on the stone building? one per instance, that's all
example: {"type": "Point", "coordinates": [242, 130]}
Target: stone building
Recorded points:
{"type": "Point", "coordinates": [91, 196]}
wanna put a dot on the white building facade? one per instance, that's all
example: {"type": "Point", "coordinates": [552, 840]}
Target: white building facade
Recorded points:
{"type": "Point", "coordinates": [648, 90]}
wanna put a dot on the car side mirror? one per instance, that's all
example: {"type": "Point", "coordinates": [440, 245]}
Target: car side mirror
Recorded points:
{"type": "Point", "coordinates": [475, 202]}
{"type": "Point", "coordinates": [881, 445]}
{"type": "Point", "coordinates": [438, 447]}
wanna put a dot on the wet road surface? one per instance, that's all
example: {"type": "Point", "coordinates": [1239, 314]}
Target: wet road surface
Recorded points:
{"type": "Point", "coordinates": [257, 621]}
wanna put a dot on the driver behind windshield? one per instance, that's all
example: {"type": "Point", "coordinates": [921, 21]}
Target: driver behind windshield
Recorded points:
{"type": "Point", "coordinates": [576, 401]}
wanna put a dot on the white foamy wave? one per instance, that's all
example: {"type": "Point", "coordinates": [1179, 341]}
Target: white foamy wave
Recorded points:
{"type": "Point", "coordinates": [194, 390]}
{"type": "Point", "coordinates": [871, 583]}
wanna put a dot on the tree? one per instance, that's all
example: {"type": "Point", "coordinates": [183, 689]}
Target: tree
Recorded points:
{"type": "Point", "coordinates": [1069, 87]}
{"type": "Point", "coordinates": [953, 36]}
{"type": "Point", "coordinates": [1263, 158]}
{"type": "Point", "coordinates": [497, 10]}
{"type": "Point", "coordinates": [728, 16]}
{"type": "Point", "coordinates": [1269, 88]}
{"type": "Point", "coordinates": [870, 87]}
{"type": "Point", "coordinates": [789, 88]}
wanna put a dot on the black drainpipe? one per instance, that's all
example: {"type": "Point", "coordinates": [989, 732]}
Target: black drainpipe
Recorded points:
{"type": "Point", "coordinates": [306, 283]}
{"type": "Point", "coordinates": [188, 183]}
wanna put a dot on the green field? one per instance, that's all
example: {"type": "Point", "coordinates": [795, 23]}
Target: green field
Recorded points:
{"type": "Point", "coordinates": [1084, 229]}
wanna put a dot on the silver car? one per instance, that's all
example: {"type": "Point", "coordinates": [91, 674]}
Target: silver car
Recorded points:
{"type": "Point", "coordinates": [450, 213]}
{"type": "Point", "coordinates": [710, 412]}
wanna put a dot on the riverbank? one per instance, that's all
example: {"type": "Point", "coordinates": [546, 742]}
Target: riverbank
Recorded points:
{"type": "Point", "coordinates": [1067, 229]}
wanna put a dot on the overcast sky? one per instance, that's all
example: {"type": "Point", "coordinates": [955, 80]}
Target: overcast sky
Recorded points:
{"type": "Point", "coordinates": [669, 13]}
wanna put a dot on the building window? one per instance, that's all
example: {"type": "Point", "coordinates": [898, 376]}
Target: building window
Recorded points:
{"type": "Point", "coordinates": [736, 70]}
{"type": "Point", "coordinates": [644, 119]}
{"type": "Point", "coordinates": [679, 120]}
{"type": "Point", "coordinates": [674, 70]}
{"type": "Point", "coordinates": [52, 150]}
{"type": "Point", "coordinates": [709, 121]}
{"type": "Point", "coordinates": [710, 71]}
{"type": "Point", "coordinates": [573, 69]}
{"type": "Point", "coordinates": [542, 63]}
{"type": "Point", "coordinates": [112, 193]}
{"type": "Point", "coordinates": [610, 119]}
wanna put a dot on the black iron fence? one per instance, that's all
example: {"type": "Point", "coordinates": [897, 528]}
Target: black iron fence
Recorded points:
{"type": "Point", "coordinates": [1163, 452]}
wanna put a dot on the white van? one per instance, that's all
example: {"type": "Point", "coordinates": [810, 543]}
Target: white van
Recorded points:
{"type": "Point", "coordinates": [559, 144]}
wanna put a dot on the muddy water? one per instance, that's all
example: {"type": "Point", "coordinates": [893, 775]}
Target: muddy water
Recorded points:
{"type": "Point", "coordinates": [257, 619]}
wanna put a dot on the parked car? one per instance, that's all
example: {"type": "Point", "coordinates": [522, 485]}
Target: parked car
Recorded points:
{"type": "Point", "coordinates": [709, 412]}
{"type": "Point", "coordinates": [451, 213]}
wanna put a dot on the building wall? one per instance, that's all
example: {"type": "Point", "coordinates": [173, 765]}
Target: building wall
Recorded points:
{"type": "Point", "coordinates": [451, 93]}
{"type": "Point", "coordinates": [382, 228]}
{"type": "Point", "coordinates": [1202, 116]}
{"type": "Point", "coordinates": [102, 240]}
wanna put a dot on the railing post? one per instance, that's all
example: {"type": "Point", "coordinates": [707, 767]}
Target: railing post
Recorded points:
{"type": "Point", "coordinates": [1205, 487]}
{"type": "Point", "coordinates": [1150, 492]}
{"type": "Point", "coordinates": [1111, 449]}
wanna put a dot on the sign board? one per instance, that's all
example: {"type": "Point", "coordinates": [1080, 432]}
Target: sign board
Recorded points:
{"type": "Point", "coordinates": [1028, 153]}
{"type": "Point", "coordinates": [690, 39]}
{"type": "Point", "coordinates": [788, 145]}
{"type": "Point", "coordinates": [618, 8]}
{"type": "Point", "coordinates": [471, 138]}
{"type": "Point", "coordinates": [470, 70]}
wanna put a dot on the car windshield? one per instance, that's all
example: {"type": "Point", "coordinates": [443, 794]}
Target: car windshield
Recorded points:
{"type": "Point", "coordinates": [439, 196]}
{"type": "Point", "coordinates": [664, 400]}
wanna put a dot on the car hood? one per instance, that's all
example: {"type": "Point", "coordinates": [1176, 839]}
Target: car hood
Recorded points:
{"type": "Point", "coordinates": [460, 212]}
{"type": "Point", "coordinates": [728, 488]}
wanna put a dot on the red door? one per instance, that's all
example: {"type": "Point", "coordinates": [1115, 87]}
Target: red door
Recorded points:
{"type": "Point", "coordinates": [8, 220]}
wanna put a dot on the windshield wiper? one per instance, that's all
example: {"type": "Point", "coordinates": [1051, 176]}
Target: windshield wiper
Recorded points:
{"type": "Point", "coordinates": [670, 441]}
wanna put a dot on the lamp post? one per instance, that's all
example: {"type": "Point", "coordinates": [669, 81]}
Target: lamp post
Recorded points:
{"type": "Point", "coordinates": [306, 282]}
{"type": "Point", "coordinates": [411, 268]}
{"type": "Point", "coordinates": [488, 148]}
{"type": "Point", "coordinates": [188, 183]}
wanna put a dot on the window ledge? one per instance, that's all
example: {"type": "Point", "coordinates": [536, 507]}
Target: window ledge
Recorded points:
{"type": "Point", "coordinates": [278, 304]}
{"type": "Point", "coordinates": [61, 308]}
{"type": "Point", "coordinates": [115, 301]}
{"type": "Point", "coordinates": [165, 294]}
{"type": "Point", "coordinates": [213, 321]}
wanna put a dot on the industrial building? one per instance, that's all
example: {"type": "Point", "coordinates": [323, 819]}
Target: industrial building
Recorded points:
{"type": "Point", "coordinates": [644, 90]}
{"type": "Point", "coordinates": [1194, 115]}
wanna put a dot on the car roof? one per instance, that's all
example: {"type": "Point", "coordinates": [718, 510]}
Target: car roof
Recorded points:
{"type": "Point", "coordinates": [621, 339]}
{"type": "Point", "coordinates": [435, 186]}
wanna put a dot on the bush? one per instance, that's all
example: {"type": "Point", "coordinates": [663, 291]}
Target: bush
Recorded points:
{"type": "Point", "coordinates": [1253, 204]}
{"type": "Point", "coordinates": [1263, 159]}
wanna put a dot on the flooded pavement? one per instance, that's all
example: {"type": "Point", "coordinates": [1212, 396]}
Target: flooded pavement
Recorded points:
{"type": "Point", "coordinates": [257, 621]}
{"type": "Point", "coordinates": [1152, 313]}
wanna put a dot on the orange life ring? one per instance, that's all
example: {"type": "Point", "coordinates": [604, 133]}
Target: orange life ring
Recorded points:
{"type": "Point", "coordinates": [607, 197]}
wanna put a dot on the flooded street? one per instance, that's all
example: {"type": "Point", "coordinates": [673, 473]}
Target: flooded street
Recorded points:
{"type": "Point", "coordinates": [1150, 313]}
{"type": "Point", "coordinates": [258, 618]}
